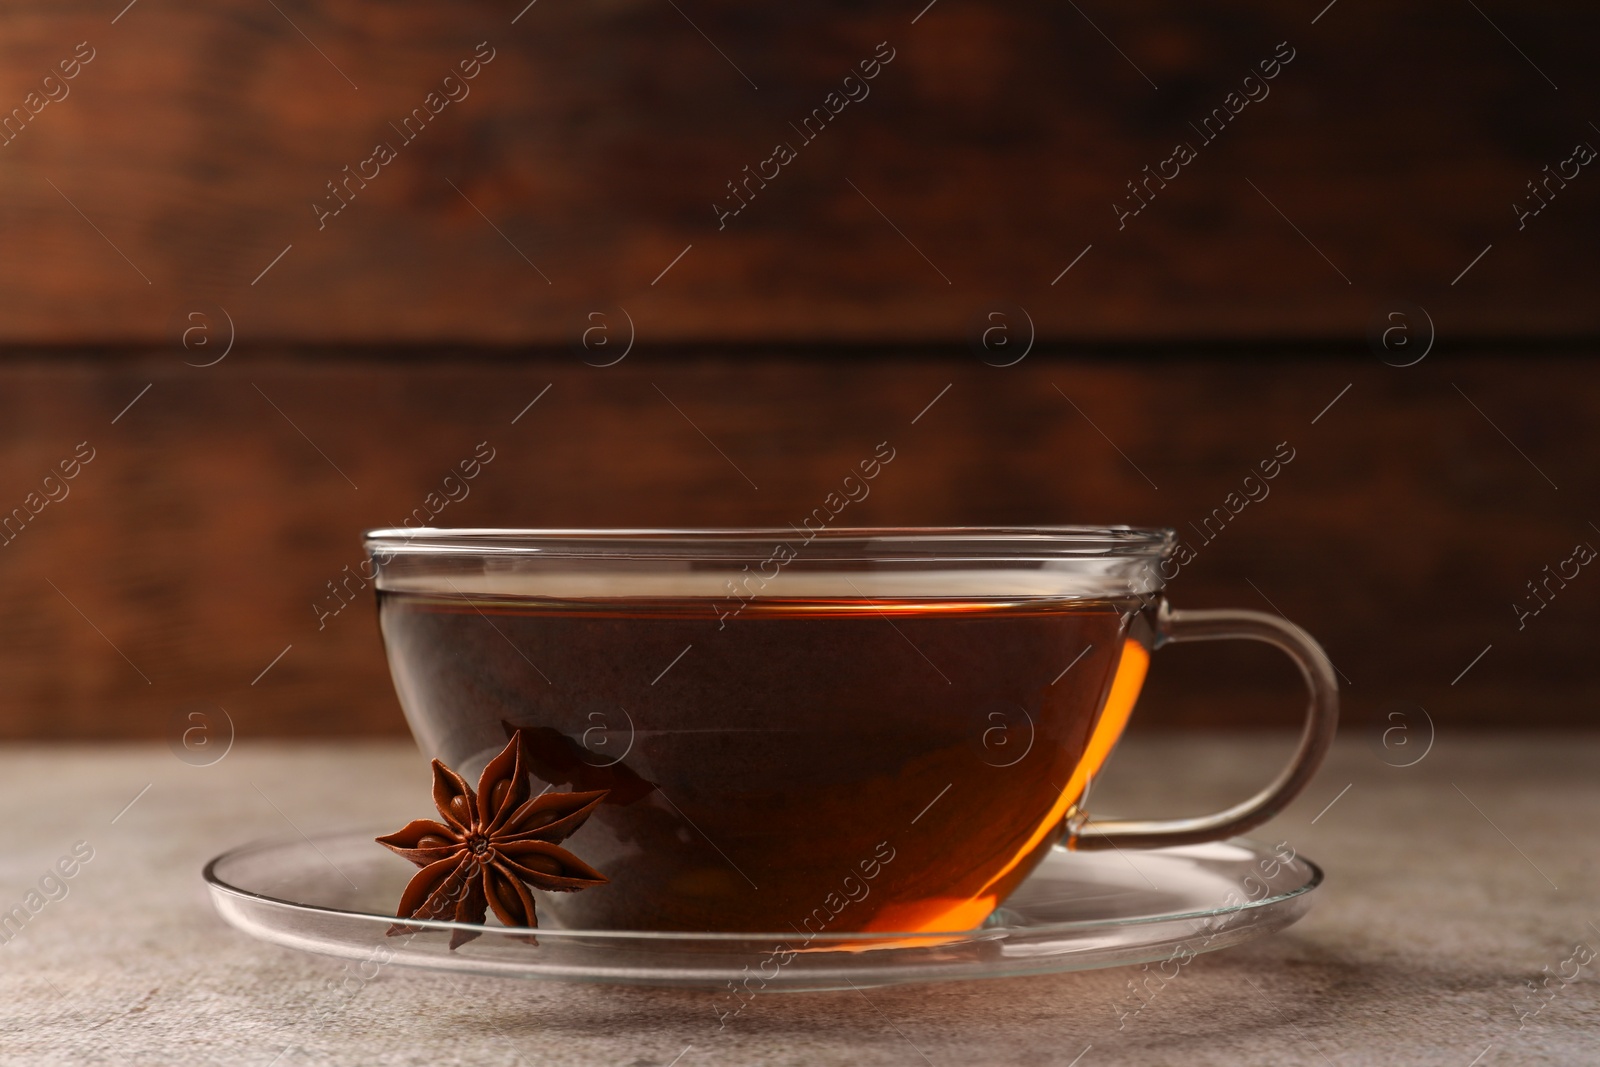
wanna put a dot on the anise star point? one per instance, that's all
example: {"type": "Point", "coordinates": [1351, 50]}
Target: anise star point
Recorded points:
{"type": "Point", "coordinates": [491, 845]}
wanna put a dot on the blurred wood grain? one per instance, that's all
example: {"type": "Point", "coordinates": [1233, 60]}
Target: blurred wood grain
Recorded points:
{"type": "Point", "coordinates": [192, 550]}
{"type": "Point", "coordinates": [259, 377]}
{"type": "Point", "coordinates": [585, 159]}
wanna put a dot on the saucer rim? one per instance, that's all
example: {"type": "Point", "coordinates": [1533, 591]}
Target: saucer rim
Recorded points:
{"type": "Point", "coordinates": [218, 886]}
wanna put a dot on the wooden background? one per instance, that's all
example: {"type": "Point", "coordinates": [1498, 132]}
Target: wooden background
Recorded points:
{"type": "Point", "coordinates": [159, 218]}
{"type": "Point", "coordinates": [206, 528]}
{"type": "Point", "coordinates": [598, 138]}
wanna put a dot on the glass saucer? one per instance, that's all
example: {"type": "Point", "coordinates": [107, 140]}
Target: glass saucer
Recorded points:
{"type": "Point", "coordinates": [334, 894]}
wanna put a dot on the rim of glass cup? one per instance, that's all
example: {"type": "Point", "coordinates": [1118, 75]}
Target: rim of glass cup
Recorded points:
{"type": "Point", "coordinates": [845, 543]}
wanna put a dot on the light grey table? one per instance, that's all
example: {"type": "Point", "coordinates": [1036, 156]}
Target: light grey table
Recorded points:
{"type": "Point", "coordinates": [1452, 884]}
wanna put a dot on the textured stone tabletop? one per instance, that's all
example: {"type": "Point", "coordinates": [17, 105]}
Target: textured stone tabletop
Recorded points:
{"type": "Point", "coordinates": [1452, 885]}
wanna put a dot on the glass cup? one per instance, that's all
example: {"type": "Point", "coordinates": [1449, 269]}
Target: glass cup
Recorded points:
{"type": "Point", "coordinates": [821, 730]}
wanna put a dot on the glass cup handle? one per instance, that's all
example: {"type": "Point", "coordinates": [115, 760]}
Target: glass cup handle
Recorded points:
{"type": "Point", "coordinates": [1322, 720]}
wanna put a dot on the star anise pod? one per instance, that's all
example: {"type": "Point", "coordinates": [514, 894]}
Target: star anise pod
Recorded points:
{"type": "Point", "coordinates": [492, 845]}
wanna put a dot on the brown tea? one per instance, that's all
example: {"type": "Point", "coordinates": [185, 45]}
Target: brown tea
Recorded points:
{"type": "Point", "coordinates": [810, 764]}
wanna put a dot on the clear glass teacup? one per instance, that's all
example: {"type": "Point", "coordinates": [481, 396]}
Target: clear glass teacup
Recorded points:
{"type": "Point", "coordinates": [838, 730]}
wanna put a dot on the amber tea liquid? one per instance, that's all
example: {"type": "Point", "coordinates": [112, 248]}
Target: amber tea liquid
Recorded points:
{"type": "Point", "coordinates": [810, 764]}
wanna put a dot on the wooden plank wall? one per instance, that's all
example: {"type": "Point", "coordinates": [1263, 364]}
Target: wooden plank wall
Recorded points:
{"type": "Point", "coordinates": [198, 542]}
{"type": "Point", "coordinates": [1382, 159]}
{"type": "Point", "coordinates": [170, 199]}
